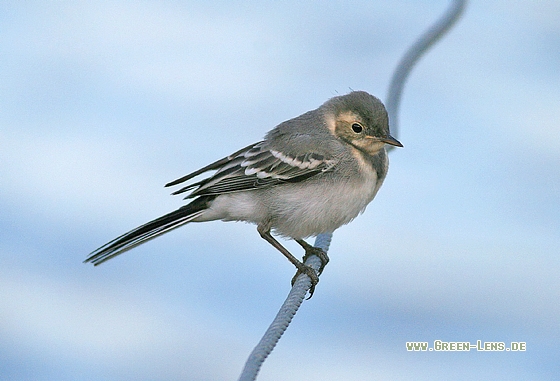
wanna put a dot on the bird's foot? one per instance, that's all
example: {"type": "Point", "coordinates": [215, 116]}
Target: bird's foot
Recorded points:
{"type": "Point", "coordinates": [311, 273]}
{"type": "Point", "coordinates": [312, 250]}
{"type": "Point", "coordinates": [308, 270]}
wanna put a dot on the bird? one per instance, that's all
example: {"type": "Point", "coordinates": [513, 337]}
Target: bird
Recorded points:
{"type": "Point", "coordinates": [308, 176]}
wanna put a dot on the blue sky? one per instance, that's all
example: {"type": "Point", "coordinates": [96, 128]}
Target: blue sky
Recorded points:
{"type": "Point", "coordinates": [101, 103]}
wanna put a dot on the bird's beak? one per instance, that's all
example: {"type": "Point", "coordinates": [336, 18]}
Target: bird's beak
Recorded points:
{"type": "Point", "coordinates": [391, 140]}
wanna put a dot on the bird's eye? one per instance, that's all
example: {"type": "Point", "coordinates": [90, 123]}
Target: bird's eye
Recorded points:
{"type": "Point", "coordinates": [357, 128]}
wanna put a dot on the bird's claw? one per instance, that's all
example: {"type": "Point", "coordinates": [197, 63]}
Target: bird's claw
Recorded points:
{"type": "Point", "coordinates": [312, 250]}
{"type": "Point", "coordinates": [311, 273]}
{"type": "Point", "coordinates": [308, 270]}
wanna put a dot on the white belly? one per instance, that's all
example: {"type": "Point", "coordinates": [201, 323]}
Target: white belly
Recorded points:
{"type": "Point", "coordinates": [296, 210]}
{"type": "Point", "coordinates": [319, 209]}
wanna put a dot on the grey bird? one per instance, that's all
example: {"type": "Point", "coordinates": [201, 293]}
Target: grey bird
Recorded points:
{"type": "Point", "coordinates": [310, 175]}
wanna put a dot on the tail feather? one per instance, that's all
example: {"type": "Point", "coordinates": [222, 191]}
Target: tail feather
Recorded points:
{"type": "Point", "coordinates": [149, 231]}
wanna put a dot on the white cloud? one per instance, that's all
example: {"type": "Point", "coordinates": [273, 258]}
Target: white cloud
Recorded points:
{"type": "Point", "coordinates": [123, 329]}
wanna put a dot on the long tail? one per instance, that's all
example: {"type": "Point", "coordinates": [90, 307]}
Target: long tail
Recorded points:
{"type": "Point", "coordinates": [149, 230]}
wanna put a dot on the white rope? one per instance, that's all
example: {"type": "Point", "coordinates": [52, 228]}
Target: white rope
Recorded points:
{"type": "Point", "coordinates": [285, 314]}
{"type": "Point", "coordinates": [280, 322]}
{"type": "Point", "coordinates": [303, 282]}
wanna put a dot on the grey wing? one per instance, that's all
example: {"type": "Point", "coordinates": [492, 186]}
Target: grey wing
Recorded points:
{"type": "Point", "coordinates": [253, 167]}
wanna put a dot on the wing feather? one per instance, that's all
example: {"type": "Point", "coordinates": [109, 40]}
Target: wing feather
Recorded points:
{"type": "Point", "coordinates": [255, 166]}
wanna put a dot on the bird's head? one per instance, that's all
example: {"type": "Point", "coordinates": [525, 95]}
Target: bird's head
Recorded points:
{"type": "Point", "coordinates": [359, 119]}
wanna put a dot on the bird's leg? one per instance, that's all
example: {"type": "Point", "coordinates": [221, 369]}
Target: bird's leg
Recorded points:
{"type": "Point", "coordinates": [301, 268]}
{"type": "Point", "coordinates": [312, 250]}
